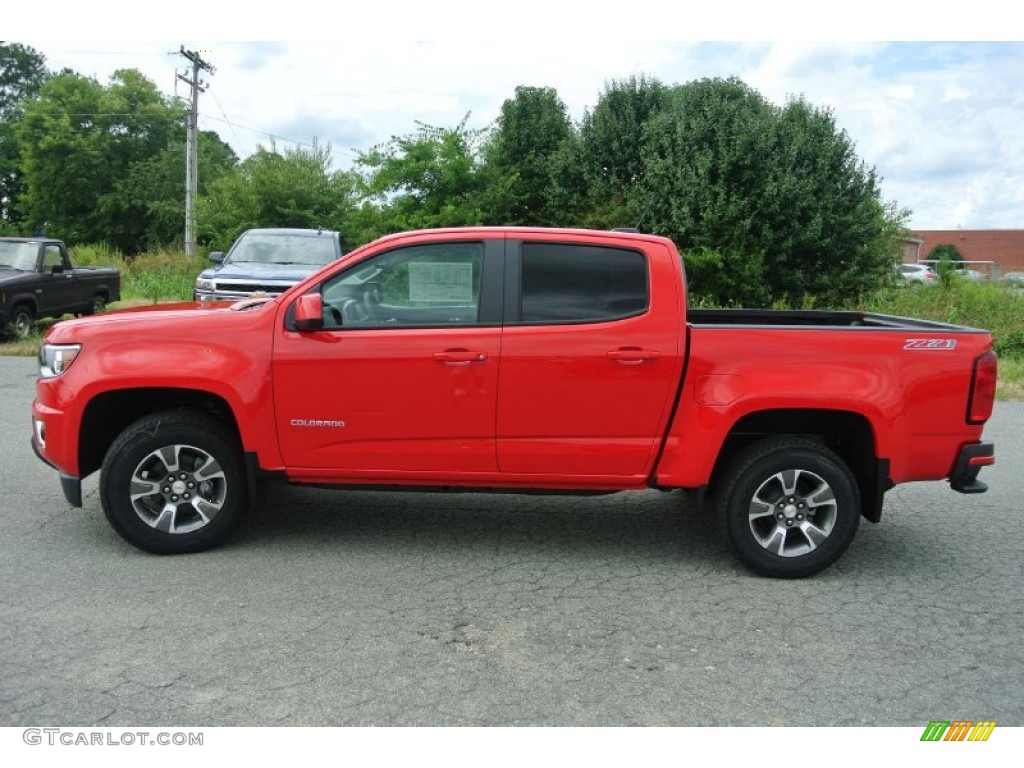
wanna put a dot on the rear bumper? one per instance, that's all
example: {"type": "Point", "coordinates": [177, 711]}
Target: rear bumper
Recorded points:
{"type": "Point", "coordinates": [972, 458]}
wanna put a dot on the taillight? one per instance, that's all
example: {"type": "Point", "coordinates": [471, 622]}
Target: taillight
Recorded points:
{"type": "Point", "coordinates": [983, 389]}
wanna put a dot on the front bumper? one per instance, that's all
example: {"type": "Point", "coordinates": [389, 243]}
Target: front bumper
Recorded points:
{"type": "Point", "coordinates": [52, 440]}
{"type": "Point", "coordinates": [969, 462]}
{"type": "Point", "coordinates": [71, 485]}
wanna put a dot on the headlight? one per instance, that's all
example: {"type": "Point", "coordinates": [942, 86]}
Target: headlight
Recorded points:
{"type": "Point", "coordinates": [204, 285]}
{"type": "Point", "coordinates": [54, 359]}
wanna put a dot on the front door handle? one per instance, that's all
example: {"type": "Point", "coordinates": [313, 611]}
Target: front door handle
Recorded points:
{"type": "Point", "coordinates": [460, 356]}
{"type": "Point", "coordinates": [632, 355]}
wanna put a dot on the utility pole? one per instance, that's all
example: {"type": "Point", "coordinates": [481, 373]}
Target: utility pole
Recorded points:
{"type": "Point", "coordinates": [192, 146]}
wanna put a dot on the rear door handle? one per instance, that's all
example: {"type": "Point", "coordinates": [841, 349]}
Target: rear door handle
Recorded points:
{"type": "Point", "coordinates": [460, 356]}
{"type": "Point", "coordinates": [632, 356]}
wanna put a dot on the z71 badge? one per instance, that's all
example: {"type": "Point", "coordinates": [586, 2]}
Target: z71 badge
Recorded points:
{"type": "Point", "coordinates": [930, 344]}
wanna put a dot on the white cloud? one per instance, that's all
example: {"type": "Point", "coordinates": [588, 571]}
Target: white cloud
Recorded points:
{"type": "Point", "coordinates": [941, 122]}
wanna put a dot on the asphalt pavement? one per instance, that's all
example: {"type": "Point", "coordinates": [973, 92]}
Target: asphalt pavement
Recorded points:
{"type": "Point", "coordinates": [366, 608]}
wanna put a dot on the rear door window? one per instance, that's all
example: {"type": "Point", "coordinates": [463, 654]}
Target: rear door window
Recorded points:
{"type": "Point", "coordinates": [569, 283]}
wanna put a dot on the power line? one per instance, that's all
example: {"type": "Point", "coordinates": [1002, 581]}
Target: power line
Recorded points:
{"type": "Point", "coordinates": [274, 136]}
{"type": "Point", "coordinates": [231, 125]}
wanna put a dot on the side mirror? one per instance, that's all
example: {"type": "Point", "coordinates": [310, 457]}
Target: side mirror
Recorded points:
{"type": "Point", "coordinates": [309, 312]}
{"type": "Point", "coordinates": [216, 256]}
{"type": "Point", "coordinates": [57, 269]}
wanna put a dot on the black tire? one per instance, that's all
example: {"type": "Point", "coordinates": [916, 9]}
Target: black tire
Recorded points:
{"type": "Point", "coordinates": [21, 322]}
{"type": "Point", "coordinates": [174, 482]}
{"type": "Point", "coordinates": [790, 506]}
{"type": "Point", "coordinates": [99, 303]}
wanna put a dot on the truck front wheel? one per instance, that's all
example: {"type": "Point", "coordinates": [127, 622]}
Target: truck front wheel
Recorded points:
{"type": "Point", "coordinates": [791, 506]}
{"type": "Point", "coordinates": [173, 482]}
{"type": "Point", "coordinates": [21, 322]}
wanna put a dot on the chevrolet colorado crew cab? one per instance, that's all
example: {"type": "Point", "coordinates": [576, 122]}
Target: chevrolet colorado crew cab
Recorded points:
{"type": "Point", "coordinates": [37, 280]}
{"type": "Point", "coordinates": [513, 359]}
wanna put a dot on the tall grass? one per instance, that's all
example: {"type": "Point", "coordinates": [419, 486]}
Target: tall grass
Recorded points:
{"type": "Point", "coordinates": [1011, 379]}
{"type": "Point", "coordinates": [995, 307]}
{"type": "Point", "coordinates": [156, 276]}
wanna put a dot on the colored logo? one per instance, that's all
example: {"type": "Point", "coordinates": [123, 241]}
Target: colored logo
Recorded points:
{"type": "Point", "coordinates": [958, 730]}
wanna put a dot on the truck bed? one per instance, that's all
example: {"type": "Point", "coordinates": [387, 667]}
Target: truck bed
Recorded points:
{"type": "Point", "coordinates": [732, 318]}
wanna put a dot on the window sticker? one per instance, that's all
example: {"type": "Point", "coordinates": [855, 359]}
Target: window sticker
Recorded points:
{"type": "Point", "coordinates": [441, 282]}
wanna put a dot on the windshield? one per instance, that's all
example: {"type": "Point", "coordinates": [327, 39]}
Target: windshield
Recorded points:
{"type": "Point", "coordinates": [19, 255]}
{"type": "Point", "coordinates": [269, 248]}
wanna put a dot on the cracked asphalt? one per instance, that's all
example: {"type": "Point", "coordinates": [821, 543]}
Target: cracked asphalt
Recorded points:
{"type": "Point", "coordinates": [358, 608]}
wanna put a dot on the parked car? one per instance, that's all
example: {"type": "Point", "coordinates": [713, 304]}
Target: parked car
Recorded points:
{"type": "Point", "coordinates": [1014, 278]}
{"type": "Point", "coordinates": [383, 370]}
{"type": "Point", "coordinates": [266, 262]}
{"type": "Point", "coordinates": [972, 275]}
{"type": "Point", "coordinates": [916, 274]}
{"type": "Point", "coordinates": [38, 280]}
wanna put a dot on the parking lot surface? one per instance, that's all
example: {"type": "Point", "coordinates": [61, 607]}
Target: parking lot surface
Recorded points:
{"type": "Point", "coordinates": [367, 608]}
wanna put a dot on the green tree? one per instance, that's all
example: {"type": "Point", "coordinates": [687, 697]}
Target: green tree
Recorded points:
{"type": "Point", "coordinates": [296, 188]}
{"type": "Point", "coordinates": [945, 251]}
{"type": "Point", "coordinates": [724, 169]}
{"type": "Point", "coordinates": [22, 74]}
{"type": "Point", "coordinates": [611, 141]}
{"type": "Point", "coordinates": [79, 143]}
{"type": "Point", "coordinates": [158, 182]}
{"type": "Point", "coordinates": [63, 150]}
{"type": "Point", "coordinates": [433, 177]}
{"type": "Point", "coordinates": [530, 131]}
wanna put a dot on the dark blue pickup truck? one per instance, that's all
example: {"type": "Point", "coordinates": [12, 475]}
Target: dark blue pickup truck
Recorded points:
{"type": "Point", "coordinates": [37, 280]}
{"type": "Point", "coordinates": [266, 262]}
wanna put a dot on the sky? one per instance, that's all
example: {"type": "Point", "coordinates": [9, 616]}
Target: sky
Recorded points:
{"type": "Point", "coordinates": [941, 122]}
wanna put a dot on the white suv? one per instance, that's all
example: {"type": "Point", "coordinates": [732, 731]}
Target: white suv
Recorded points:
{"type": "Point", "coordinates": [913, 274]}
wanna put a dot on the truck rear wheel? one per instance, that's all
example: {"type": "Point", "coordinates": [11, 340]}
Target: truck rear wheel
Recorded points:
{"type": "Point", "coordinates": [173, 482]}
{"type": "Point", "coordinates": [791, 506]}
{"type": "Point", "coordinates": [99, 303]}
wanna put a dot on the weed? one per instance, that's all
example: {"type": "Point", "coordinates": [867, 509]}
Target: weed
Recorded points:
{"type": "Point", "coordinates": [157, 276]}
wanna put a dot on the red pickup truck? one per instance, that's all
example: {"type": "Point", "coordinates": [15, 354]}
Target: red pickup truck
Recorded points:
{"type": "Point", "coordinates": [513, 359]}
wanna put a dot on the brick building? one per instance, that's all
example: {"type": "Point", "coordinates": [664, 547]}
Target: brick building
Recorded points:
{"type": "Point", "coordinates": [1004, 248]}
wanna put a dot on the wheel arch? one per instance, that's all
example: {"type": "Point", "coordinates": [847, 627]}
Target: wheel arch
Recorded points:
{"type": "Point", "coordinates": [849, 434]}
{"type": "Point", "coordinates": [108, 414]}
{"type": "Point", "coordinates": [23, 300]}
{"type": "Point", "coordinates": [16, 299]}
